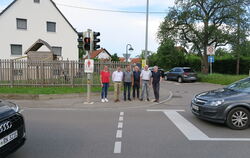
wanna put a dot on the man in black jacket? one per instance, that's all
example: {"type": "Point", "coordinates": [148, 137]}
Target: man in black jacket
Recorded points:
{"type": "Point", "coordinates": [136, 86]}
{"type": "Point", "coordinates": [156, 79]}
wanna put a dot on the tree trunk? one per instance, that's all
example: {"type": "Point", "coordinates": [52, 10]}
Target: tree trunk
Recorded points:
{"type": "Point", "coordinates": [238, 65]}
{"type": "Point", "coordinates": [204, 64]}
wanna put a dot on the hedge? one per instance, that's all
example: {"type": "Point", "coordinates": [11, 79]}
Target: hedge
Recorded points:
{"type": "Point", "coordinates": [224, 65]}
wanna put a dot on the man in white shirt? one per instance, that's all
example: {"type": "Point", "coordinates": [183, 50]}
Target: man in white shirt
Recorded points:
{"type": "Point", "coordinates": [117, 78]}
{"type": "Point", "coordinates": [145, 81]}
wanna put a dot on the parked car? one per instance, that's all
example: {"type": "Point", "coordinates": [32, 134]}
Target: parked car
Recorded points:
{"type": "Point", "coordinates": [181, 74]}
{"type": "Point", "coordinates": [12, 128]}
{"type": "Point", "coordinates": [230, 105]}
{"type": "Point", "coordinates": [159, 69]}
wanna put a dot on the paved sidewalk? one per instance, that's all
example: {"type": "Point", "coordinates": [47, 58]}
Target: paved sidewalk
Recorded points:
{"type": "Point", "coordinates": [78, 102]}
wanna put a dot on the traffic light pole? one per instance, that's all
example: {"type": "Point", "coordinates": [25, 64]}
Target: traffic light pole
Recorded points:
{"type": "Point", "coordinates": [89, 34]}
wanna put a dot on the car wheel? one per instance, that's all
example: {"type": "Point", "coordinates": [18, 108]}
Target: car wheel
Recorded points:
{"type": "Point", "coordinates": [180, 79]}
{"type": "Point", "coordinates": [238, 118]}
{"type": "Point", "coordinates": [165, 77]}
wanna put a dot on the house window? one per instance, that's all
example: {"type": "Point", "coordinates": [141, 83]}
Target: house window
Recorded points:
{"type": "Point", "coordinates": [36, 1]}
{"type": "Point", "coordinates": [21, 24]}
{"type": "Point", "coordinates": [16, 49]}
{"type": "Point", "coordinates": [57, 51]}
{"type": "Point", "coordinates": [51, 26]}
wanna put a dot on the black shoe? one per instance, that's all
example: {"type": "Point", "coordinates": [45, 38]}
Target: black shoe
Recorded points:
{"type": "Point", "coordinates": [148, 99]}
{"type": "Point", "coordinates": [156, 100]}
{"type": "Point", "coordinates": [129, 99]}
{"type": "Point", "coordinates": [141, 99]}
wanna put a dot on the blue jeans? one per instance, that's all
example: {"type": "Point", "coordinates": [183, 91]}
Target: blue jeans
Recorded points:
{"type": "Point", "coordinates": [105, 90]}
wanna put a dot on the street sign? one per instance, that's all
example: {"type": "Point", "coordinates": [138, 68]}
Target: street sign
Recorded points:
{"type": "Point", "coordinates": [143, 63]}
{"type": "Point", "coordinates": [126, 56]}
{"type": "Point", "coordinates": [210, 50]}
{"type": "Point", "coordinates": [211, 59]}
{"type": "Point", "coordinates": [89, 66]}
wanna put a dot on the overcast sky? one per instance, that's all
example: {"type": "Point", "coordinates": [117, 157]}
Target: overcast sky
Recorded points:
{"type": "Point", "coordinates": [117, 29]}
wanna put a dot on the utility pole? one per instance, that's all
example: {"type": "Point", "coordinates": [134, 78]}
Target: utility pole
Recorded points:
{"type": "Point", "coordinates": [146, 36]}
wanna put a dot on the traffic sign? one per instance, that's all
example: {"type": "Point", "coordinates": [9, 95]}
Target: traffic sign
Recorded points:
{"type": "Point", "coordinates": [210, 50]}
{"type": "Point", "coordinates": [143, 63]}
{"type": "Point", "coordinates": [126, 56]}
{"type": "Point", "coordinates": [211, 59]}
{"type": "Point", "coordinates": [89, 66]}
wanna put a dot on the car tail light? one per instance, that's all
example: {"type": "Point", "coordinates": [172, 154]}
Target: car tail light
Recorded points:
{"type": "Point", "coordinates": [185, 74]}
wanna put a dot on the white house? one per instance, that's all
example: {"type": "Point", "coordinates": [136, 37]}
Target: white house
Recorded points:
{"type": "Point", "coordinates": [101, 54]}
{"type": "Point", "coordinates": [24, 22]}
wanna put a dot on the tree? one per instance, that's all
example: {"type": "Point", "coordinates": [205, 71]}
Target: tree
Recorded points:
{"type": "Point", "coordinates": [241, 32]}
{"type": "Point", "coordinates": [143, 54]}
{"type": "Point", "coordinates": [168, 55]}
{"type": "Point", "coordinates": [81, 53]}
{"type": "Point", "coordinates": [115, 57]}
{"type": "Point", "coordinates": [200, 23]}
{"type": "Point", "coordinates": [221, 52]}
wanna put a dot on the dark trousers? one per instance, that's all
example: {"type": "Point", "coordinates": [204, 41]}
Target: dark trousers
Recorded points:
{"type": "Point", "coordinates": [105, 90]}
{"type": "Point", "coordinates": [156, 87]}
{"type": "Point", "coordinates": [127, 86]}
{"type": "Point", "coordinates": [136, 89]}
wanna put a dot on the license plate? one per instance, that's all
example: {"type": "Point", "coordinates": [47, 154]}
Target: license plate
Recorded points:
{"type": "Point", "coordinates": [195, 107]}
{"type": "Point", "coordinates": [5, 140]}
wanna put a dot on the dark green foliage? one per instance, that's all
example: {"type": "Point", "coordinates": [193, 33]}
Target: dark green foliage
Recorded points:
{"type": "Point", "coordinates": [168, 56]}
{"type": "Point", "coordinates": [115, 57]}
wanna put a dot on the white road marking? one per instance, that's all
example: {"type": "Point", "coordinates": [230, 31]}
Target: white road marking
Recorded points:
{"type": "Point", "coordinates": [162, 110]}
{"type": "Point", "coordinates": [120, 118]}
{"type": "Point", "coordinates": [121, 113]}
{"type": "Point", "coordinates": [190, 131]}
{"type": "Point", "coordinates": [119, 134]}
{"type": "Point", "coordinates": [117, 148]}
{"type": "Point", "coordinates": [120, 125]}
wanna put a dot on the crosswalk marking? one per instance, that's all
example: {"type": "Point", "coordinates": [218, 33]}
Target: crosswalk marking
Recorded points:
{"type": "Point", "coordinates": [190, 131]}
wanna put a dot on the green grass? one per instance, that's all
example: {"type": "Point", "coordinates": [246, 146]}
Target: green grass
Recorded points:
{"type": "Point", "coordinates": [48, 90]}
{"type": "Point", "coordinates": [220, 78]}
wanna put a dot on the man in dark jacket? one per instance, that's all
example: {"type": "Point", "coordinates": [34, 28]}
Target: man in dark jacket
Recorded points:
{"type": "Point", "coordinates": [156, 79]}
{"type": "Point", "coordinates": [136, 86]}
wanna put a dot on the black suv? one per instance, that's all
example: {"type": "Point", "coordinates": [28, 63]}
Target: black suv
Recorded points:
{"type": "Point", "coordinates": [181, 74]}
{"type": "Point", "coordinates": [12, 128]}
{"type": "Point", "coordinates": [230, 105]}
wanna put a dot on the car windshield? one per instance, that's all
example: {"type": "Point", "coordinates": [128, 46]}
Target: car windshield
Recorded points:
{"type": "Point", "coordinates": [188, 70]}
{"type": "Point", "coordinates": [242, 85]}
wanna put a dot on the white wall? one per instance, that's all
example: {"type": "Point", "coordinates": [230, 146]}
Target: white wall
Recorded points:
{"type": "Point", "coordinates": [103, 55]}
{"type": "Point", "coordinates": [37, 14]}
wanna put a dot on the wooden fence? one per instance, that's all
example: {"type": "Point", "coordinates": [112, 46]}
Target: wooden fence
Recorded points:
{"type": "Point", "coordinates": [55, 73]}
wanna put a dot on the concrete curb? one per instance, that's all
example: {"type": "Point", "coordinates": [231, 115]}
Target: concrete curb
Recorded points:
{"type": "Point", "coordinates": [44, 96]}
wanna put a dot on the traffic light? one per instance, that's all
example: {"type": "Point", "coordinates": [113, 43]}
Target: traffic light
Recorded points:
{"type": "Point", "coordinates": [80, 40]}
{"type": "Point", "coordinates": [96, 40]}
{"type": "Point", "coordinates": [86, 43]}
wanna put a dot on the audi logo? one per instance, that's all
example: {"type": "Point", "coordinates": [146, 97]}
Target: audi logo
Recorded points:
{"type": "Point", "coordinates": [5, 126]}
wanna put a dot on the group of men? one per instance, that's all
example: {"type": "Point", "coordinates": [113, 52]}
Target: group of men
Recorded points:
{"type": "Point", "coordinates": [136, 79]}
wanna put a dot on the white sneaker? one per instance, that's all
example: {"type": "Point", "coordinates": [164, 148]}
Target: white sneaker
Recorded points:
{"type": "Point", "coordinates": [106, 100]}
{"type": "Point", "coordinates": [103, 100]}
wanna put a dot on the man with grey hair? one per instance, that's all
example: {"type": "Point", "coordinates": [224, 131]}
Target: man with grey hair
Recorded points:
{"type": "Point", "coordinates": [155, 80]}
{"type": "Point", "coordinates": [145, 81]}
{"type": "Point", "coordinates": [128, 82]}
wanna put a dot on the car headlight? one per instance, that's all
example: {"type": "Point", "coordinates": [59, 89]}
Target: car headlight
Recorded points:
{"type": "Point", "coordinates": [13, 106]}
{"type": "Point", "coordinates": [217, 102]}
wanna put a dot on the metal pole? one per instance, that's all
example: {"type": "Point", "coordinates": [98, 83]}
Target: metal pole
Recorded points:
{"type": "Point", "coordinates": [146, 36]}
{"type": "Point", "coordinates": [127, 53]}
{"type": "Point", "coordinates": [211, 71]}
{"type": "Point", "coordinates": [89, 34]}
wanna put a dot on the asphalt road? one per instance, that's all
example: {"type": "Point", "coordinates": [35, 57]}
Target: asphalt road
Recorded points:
{"type": "Point", "coordinates": [128, 130]}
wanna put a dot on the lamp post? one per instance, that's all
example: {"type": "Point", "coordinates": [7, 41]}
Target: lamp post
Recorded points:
{"type": "Point", "coordinates": [130, 49]}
